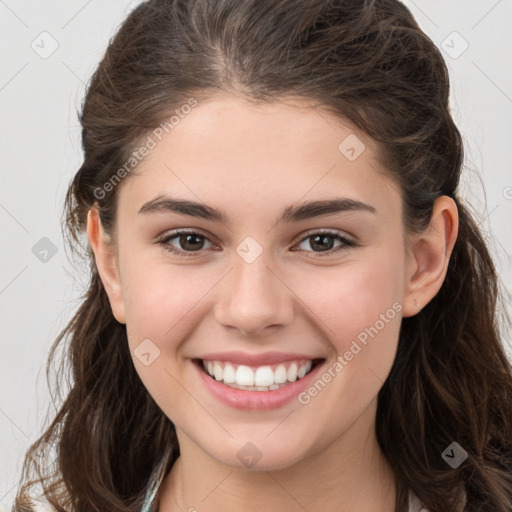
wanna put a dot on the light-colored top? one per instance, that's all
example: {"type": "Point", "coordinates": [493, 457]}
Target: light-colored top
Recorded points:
{"type": "Point", "coordinates": [158, 475]}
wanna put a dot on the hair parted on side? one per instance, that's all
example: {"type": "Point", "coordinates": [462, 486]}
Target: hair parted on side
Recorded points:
{"type": "Point", "coordinates": [368, 62]}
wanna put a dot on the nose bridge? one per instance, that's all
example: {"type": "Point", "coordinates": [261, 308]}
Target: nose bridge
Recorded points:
{"type": "Point", "coordinates": [253, 297]}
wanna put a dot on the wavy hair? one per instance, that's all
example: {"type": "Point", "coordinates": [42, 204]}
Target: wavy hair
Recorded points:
{"type": "Point", "coordinates": [366, 61]}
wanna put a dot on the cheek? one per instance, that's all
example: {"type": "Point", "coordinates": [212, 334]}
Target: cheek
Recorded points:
{"type": "Point", "coordinates": [360, 308]}
{"type": "Point", "coordinates": [353, 297]}
{"type": "Point", "coordinates": [159, 304]}
{"type": "Point", "coordinates": [158, 296]}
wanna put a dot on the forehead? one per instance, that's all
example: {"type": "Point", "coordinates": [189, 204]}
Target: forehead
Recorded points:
{"type": "Point", "coordinates": [295, 128]}
{"type": "Point", "coordinates": [226, 147]}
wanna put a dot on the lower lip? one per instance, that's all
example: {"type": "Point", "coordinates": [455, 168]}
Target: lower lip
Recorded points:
{"type": "Point", "coordinates": [256, 400]}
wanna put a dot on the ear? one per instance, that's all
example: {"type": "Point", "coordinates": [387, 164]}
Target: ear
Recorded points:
{"type": "Point", "coordinates": [428, 256]}
{"type": "Point", "coordinates": [106, 263]}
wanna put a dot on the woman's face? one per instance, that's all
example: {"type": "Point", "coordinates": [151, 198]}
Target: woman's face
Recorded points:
{"type": "Point", "coordinates": [269, 288]}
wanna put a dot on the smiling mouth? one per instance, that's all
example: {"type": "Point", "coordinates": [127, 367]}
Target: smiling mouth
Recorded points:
{"type": "Point", "coordinates": [257, 378]}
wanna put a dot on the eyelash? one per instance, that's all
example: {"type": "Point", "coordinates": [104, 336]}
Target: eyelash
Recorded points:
{"type": "Point", "coordinates": [187, 254]}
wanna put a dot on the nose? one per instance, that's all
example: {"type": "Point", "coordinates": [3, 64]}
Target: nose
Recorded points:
{"type": "Point", "coordinates": [254, 298]}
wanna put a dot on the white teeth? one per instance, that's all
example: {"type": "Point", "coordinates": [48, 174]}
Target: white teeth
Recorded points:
{"type": "Point", "coordinates": [217, 371]}
{"type": "Point", "coordinates": [229, 374]}
{"type": "Point", "coordinates": [291, 374]}
{"type": "Point", "coordinates": [280, 374]}
{"type": "Point", "coordinates": [262, 378]}
{"type": "Point", "coordinates": [244, 376]}
{"type": "Point", "coordinates": [301, 372]}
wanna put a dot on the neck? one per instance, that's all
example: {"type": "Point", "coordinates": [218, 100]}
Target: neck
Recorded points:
{"type": "Point", "coordinates": [349, 475]}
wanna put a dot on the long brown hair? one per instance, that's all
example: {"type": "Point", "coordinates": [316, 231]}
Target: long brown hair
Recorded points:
{"type": "Point", "coordinates": [366, 61]}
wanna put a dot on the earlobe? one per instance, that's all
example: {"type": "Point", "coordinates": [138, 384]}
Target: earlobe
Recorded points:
{"type": "Point", "coordinates": [106, 263]}
{"type": "Point", "coordinates": [429, 256]}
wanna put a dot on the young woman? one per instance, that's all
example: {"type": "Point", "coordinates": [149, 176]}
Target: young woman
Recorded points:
{"type": "Point", "coordinates": [289, 307]}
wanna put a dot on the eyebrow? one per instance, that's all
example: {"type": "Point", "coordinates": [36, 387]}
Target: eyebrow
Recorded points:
{"type": "Point", "coordinates": [293, 213]}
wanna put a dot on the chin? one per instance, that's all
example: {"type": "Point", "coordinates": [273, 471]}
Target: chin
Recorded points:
{"type": "Point", "coordinates": [259, 454]}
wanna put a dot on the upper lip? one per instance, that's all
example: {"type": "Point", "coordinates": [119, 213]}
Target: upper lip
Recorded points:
{"type": "Point", "coordinates": [265, 358]}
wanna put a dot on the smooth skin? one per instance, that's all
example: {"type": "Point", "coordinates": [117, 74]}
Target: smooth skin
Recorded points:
{"type": "Point", "coordinates": [252, 161]}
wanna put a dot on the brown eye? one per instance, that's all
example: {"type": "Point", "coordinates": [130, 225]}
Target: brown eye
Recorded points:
{"type": "Point", "coordinates": [323, 242]}
{"type": "Point", "coordinates": [189, 242]}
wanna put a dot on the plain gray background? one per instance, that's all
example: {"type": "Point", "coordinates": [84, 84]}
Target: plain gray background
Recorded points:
{"type": "Point", "coordinates": [49, 51]}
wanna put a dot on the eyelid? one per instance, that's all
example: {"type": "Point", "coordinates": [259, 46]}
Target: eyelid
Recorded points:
{"type": "Point", "coordinates": [164, 239]}
{"type": "Point", "coordinates": [327, 231]}
{"type": "Point", "coordinates": [347, 241]}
